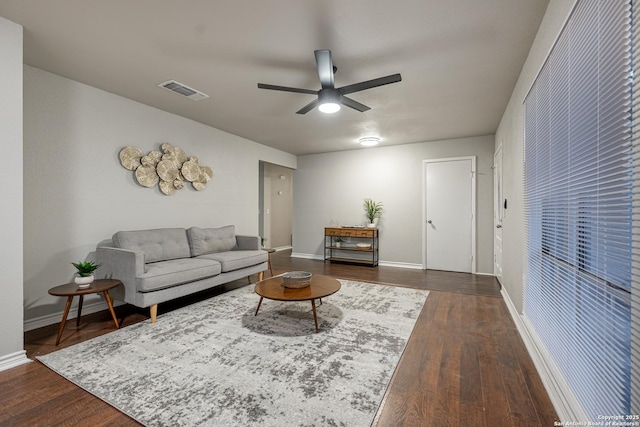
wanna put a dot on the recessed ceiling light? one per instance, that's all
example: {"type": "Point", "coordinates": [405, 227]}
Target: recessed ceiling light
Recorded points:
{"type": "Point", "coordinates": [369, 141]}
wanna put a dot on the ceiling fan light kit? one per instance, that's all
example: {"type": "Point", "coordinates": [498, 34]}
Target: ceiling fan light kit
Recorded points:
{"type": "Point", "coordinates": [329, 101]}
{"type": "Point", "coordinates": [329, 107]}
{"type": "Point", "coordinates": [329, 98]}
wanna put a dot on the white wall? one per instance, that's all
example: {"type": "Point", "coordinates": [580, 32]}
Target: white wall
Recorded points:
{"type": "Point", "coordinates": [332, 186]}
{"type": "Point", "coordinates": [510, 134]}
{"type": "Point", "coordinates": [11, 338]}
{"type": "Point", "coordinates": [76, 193]}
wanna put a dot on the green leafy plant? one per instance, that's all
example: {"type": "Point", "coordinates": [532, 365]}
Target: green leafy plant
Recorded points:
{"type": "Point", "coordinates": [338, 240]}
{"type": "Point", "coordinates": [85, 268]}
{"type": "Point", "coordinates": [372, 209]}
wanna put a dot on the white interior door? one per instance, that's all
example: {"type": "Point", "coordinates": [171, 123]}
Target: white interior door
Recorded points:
{"type": "Point", "coordinates": [450, 214]}
{"type": "Point", "coordinates": [498, 214]}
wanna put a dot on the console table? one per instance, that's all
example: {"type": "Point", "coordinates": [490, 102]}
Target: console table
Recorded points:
{"type": "Point", "coordinates": [348, 251]}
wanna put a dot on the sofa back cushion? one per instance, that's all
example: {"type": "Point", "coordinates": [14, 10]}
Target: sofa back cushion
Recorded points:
{"type": "Point", "coordinates": [211, 240]}
{"type": "Point", "coordinates": [158, 245]}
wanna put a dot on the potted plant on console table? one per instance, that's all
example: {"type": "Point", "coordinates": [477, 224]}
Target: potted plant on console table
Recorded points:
{"type": "Point", "coordinates": [372, 211]}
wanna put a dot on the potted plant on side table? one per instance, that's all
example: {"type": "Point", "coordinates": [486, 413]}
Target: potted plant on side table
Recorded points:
{"type": "Point", "coordinates": [338, 241]}
{"type": "Point", "coordinates": [84, 273]}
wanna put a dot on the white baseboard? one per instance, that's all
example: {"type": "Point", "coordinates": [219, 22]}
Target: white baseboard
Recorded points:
{"type": "Point", "coordinates": [307, 256]}
{"type": "Point", "coordinates": [562, 398]}
{"type": "Point", "coordinates": [14, 359]}
{"type": "Point", "coordinates": [52, 319]}
{"type": "Point", "coordinates": [400, 264]}
{"type": "Point", "coordinates": [283, 248]}
{"type": "Point", "coordinates": [381, 263]}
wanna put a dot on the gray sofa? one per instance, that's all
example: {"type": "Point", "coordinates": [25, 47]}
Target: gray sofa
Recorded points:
{"type": "Point", "coordinates": [162, 264]}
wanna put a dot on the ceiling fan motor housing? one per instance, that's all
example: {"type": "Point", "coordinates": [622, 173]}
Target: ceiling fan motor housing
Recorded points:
{"type": "Point", "coordinates": [329, 96]}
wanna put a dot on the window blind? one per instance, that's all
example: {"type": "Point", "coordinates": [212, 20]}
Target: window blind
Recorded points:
{"type": "Point", "coordinates": [635, 279]}
{"type": "Point", "coordinates": [578, 205]}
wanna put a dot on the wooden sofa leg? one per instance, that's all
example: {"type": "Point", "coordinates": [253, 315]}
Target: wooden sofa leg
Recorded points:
{"type": "Point", "coordinates": [154, 312]}
{"type": "Point", "coordinates": [260, 276]}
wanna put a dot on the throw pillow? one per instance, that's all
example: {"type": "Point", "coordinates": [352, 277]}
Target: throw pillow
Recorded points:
{"type": "Point", "coordinates": [211, 240]}
{"type": "Point", "coordinates": [158, 245]}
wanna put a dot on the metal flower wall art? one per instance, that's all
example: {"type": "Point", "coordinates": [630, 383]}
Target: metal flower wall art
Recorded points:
{"type": "Point", "coordinates": [169, 168]}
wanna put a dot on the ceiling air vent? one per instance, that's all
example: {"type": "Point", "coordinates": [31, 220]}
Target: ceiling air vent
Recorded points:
{"type": "Point", "coordinates": [183, 90]}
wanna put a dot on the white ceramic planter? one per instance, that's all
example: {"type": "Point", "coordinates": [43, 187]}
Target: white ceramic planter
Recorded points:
{"type": "Point", "coordinates": [83, 282]}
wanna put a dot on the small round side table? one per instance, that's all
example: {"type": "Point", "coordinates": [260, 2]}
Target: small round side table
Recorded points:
{"type": "Point", "coordinates": [71, 290]}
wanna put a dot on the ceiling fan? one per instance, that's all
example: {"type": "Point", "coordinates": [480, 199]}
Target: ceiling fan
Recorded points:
{"type": "Point", "coordinates": [330, 97]}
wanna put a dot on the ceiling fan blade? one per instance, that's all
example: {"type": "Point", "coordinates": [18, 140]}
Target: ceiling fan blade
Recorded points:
{"type": "Point", "coordinates": [310, 106]}
{"type": "Point", "coordinates": [287, 89]}
{"type": "Point", "coordinates": [325, 68]}
{"type": "Point", "coordinates": [357, 87]}
{"type": "Point", "coordinates": [354, 104]}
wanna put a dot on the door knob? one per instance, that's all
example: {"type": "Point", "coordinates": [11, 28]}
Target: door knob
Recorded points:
{"type": "Point", "coordinates": [429, 221]}
{"type": "Point", "coordinates": [499, 226]}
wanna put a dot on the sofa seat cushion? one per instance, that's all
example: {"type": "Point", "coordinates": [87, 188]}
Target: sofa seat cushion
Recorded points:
{"type": "Point", "coordinates": [158, 245]}
{"type": "Point", "coordinates": [235, 260]}
{"type": "Point", "coordinates": [164, 274]}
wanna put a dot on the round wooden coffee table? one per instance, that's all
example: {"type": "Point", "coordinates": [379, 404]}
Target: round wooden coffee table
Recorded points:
{"type": "Point", "coordinates": [71, 290]}
{"type": "Point", "coordinates": [321, 286]}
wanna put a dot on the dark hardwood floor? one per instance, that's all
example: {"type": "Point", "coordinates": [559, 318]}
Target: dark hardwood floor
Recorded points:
{"type": "Point", "coordinates": [465, 363]}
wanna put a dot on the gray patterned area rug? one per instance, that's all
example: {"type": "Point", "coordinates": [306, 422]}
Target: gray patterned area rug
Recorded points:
{"type": "Point", "coordinates": [214, 363]}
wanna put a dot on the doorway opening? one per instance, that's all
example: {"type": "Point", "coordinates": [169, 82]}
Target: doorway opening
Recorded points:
{"type": "Point", "coordinates": [276, 206]}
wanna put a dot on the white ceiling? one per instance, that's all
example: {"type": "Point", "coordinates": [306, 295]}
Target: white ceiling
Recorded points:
{"type": "Point", "coordinates": [459, 61]}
